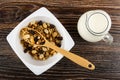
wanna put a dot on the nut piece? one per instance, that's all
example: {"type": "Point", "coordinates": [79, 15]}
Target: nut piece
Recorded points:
{"type": "Point", "coordinates": [54, 34]}
{"type": "Point", "coordinates": [44, 49]}
{"type": "Point", "coordinates": [48, 24]}
{"type": "Point", "coordinates": [32, 40]}
{"type": "Point", "coordinates": [35, 57]}
{"type": "Point", "coordinates": [41, 56]}
{"type": "Point", "coordinates": [46, 54]}
{"type": "Point", "coordinates": [26, 36]}
{"type": "Point", "coordinates": [33, 22]}
{"type": "Point", "coordinates": [46, 31]}
{"type": "Point", "coordinates": [53, 43]}
{"type": "Point", "coordinates": [34, 51]}
{"type": "Point", "coordinates": [44, 25]}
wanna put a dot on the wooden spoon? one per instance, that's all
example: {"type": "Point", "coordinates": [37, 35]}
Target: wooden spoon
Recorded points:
{"type": "Point", "coordinates": [73, 57]}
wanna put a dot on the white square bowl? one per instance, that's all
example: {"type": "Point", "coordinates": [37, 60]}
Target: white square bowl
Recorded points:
{"type": "Point", "coordinates": [38, 67]}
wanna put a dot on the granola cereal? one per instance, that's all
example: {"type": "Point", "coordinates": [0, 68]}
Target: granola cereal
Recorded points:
{"type": "Point", "coordinates": [29, 36]}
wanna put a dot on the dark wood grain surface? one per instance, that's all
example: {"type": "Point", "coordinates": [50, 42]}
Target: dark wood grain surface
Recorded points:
{"type": "Point", "coordinates": [105, 57]}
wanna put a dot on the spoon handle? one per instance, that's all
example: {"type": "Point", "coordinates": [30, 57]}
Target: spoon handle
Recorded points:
{"type": "Point", "coordinates": [73, 57]}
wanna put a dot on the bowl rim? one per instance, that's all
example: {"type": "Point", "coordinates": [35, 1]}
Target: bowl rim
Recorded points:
{"type": "Point", "coordinates": [69, 43]}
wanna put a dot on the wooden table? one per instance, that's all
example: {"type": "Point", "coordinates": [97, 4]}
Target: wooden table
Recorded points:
{"type": "Point", "coordinates": [105, 57]}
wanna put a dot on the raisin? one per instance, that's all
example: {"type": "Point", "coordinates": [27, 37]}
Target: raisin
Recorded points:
{"type": "Point", "coordinates": [40, 51]}
{"type": "Point", "coordinates": [31, 32]}
{"type": "Point", "coordinates": [52, 26]}
{"type": "Point", "coordinates": [41, 43]}
{"type": "Point", "coordinates": [25, 50]}
{"type": "Point", "coordinates": [59, 38]}
{"type": "Point", "coordinates": [40, 23]}
{"type": "Point", "coordinates": [58, 44]}
{"type": "Point", "coordinates": [36, 39]}
{"type": "Point", "coordinates": [26, 44]}
{"type": "Point", "coordinates": [29, 48]}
